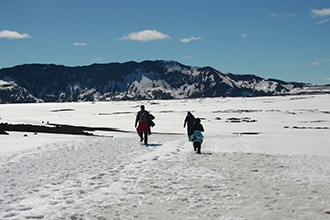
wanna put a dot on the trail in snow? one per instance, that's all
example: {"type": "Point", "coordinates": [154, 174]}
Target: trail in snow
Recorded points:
{"type": "Point", "coordinates": [105, 178]}
{"type": "Point", "coordinates": [62, 176]}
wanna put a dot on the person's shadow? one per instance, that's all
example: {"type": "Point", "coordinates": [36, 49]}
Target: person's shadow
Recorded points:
{"type": "Point", "coordinates": [153, 145]}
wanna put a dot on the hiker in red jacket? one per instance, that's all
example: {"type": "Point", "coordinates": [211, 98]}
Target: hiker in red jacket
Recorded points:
{"type": "Point", "coordinates": [143, 122]}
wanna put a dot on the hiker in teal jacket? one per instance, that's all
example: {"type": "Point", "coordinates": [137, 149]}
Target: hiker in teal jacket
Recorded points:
{"type": "Point", "coordinates": [196, 135]}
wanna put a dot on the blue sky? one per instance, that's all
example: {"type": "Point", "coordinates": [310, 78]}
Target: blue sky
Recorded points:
{"type": "Point", "coordinates": [282, 39]}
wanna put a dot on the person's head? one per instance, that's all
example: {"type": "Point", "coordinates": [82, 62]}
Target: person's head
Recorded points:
{"type": "Point", "coordinates": [197, 120]}
{"type": "Point", "coordinates": [142, 107]}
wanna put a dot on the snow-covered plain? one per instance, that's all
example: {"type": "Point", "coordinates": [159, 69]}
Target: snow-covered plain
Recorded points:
{"type": "Point", "coordinates": [262, 158]}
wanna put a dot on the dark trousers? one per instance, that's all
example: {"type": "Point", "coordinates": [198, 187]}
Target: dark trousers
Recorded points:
{"type": "Point", "coordinates": [197, 147]}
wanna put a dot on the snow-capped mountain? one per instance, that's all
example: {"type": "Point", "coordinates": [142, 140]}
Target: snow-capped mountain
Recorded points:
{"type": "Point", "coordinates": [11, 92]}
{"type": "Point", "coordinates": [134, 81]}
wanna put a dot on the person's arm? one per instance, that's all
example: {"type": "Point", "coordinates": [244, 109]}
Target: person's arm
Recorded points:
{"type": "Point", "coordinates": [137, 118]}
{"type": "Point", "coordinates": [192, 129]}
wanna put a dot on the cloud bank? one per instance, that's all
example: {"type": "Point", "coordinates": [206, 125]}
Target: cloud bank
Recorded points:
{"type": "Point", "coordinates": [7, 34]}
{"type": "Point", "coordinates": [321, 13]}
{"type": "Point", "coordinates": [146, 35]}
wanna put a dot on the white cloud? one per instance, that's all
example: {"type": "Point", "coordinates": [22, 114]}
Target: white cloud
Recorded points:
{"type": "Point", "coordinates": [77, 44]}
{"type": "Point", "coordinates": [276, 15]}
{"type": "Point", "coordinates": [321, 12]}
{"type": "Point", "coordinates": [146, 35]}
{"type": "Point", "coordinates": [13, 35]}
{"type": "Point", "coordinates": [99, 59]}
{"type": "Point", "coordinates": [186, 57]}
{"type": "Point", "coordinates": [244, 35]}
{"type": "Point", "coordinates": [323, 21]}
{"type": "Point", "coordinates": [314, 63]}
{"type": "Point", "coordinates": [319, 61]}
{"type": "Point", "coordinates": [187, 40]}
{"type": "Point", "coordinates": [282, 15]}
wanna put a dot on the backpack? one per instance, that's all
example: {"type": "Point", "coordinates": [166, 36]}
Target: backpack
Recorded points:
{"type": "Point", "coordinates": [143, 116]}
{"type": "Point", "coordinates": [151, 117]}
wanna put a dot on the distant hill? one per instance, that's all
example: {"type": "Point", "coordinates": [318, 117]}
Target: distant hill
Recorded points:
{"type": "Point", "coordinates": [135, 81]}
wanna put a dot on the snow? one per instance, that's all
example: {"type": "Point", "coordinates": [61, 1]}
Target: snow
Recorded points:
{"type": "Point", "coordinates": [262, 158]}
{"type": "Point", "coordinates": [5, 84]}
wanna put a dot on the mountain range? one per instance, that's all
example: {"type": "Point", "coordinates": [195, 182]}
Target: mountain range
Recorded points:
{"type": "Point", "coordinates": [132, 80]}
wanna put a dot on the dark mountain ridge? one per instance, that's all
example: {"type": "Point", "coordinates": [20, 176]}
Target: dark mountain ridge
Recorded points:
{"type": "Point", "coordinates": [134, 81]}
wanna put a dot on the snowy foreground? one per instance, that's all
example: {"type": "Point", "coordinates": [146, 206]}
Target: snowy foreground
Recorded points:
{"type": "Point", "coordinates": [262, 158]}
